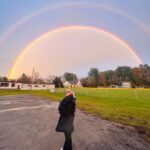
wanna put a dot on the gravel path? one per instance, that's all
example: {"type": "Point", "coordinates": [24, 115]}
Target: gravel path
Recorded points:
{"type": "Point", "coordinates": [28, 123]}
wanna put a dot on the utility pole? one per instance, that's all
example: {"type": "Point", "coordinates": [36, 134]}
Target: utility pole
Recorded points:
{"type": "Point", "coordinates": [31, 80]}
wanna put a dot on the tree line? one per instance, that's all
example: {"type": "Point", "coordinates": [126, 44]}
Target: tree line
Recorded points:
{"type": "Point", "coordinates": [138, 76]}
{"type": "Point", "coordinates": [24, 78]}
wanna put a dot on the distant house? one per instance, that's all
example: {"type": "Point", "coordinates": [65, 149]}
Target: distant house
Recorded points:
{"type": "Point", "coordinates": [66, 84]}
{"type": "Point", "coordinates": [70, 84]}
{"type": "Point", "coordinates": [79, 84]}
{"type": "Point", "coordinates": [25, 86]}
{"type": "Point", "coordinates": [126, 85]}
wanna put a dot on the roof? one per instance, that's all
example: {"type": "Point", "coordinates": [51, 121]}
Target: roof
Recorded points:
{"type": "Point", "coordinates": [72, 82]}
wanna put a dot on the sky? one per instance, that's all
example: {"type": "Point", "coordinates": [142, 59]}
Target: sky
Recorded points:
{"type": "Point", "coordinates": [55, 36]}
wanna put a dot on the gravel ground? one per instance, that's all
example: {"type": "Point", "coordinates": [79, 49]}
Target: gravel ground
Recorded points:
{"type": "Point", "coordinates": [28, 123]}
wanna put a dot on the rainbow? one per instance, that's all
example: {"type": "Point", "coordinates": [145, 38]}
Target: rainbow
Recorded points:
{"type": "Point", "coordinates": [54, 31]}
{"type": "Point", "coordinates": [27, 18]}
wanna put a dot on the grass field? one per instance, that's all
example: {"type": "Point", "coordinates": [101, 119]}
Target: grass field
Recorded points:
{"type": "Point", "coordinates": [126, 106]}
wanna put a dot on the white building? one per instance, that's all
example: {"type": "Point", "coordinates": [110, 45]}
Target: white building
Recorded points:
{"type": "Point", "coordinates": [25, 86]}
{"type": "Point", "coordinates": [68, 84]}
{"type": "Point", "coordinates": [126, 85]}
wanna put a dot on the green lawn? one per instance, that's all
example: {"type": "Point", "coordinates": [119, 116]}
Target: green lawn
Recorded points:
{"type": "Point", "coordinates": [126, 106]}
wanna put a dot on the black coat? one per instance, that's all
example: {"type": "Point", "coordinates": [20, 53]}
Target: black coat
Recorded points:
{"type": "Point", "coordinates": [66, 109]}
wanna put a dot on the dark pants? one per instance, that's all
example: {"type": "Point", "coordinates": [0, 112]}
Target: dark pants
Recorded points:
{"type": "Point", "coordinates": [68, 141]}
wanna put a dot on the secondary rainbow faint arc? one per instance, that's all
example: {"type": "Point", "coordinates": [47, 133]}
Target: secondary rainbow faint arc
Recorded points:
{"type": "Point", "coordinates": [57, 30]}
{"type": "Point", "coordinates": [14, 27]}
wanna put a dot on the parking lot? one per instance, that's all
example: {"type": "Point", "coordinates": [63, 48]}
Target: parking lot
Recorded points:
{"type": "Point", "coordinates": [28, 123]}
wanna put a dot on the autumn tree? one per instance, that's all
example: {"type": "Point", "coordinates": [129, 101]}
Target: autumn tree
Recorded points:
{"type": "Point", "coordinates": [94, 73]}
{"type": "Point", "coordinates": [24, 78]}
{"type": "Point", "coordinates": [145, 74]}
{"type": "Point", "coordinates": [70, 76]}
{"type": "Point", "coordinates": [84, 82]}
{"type": "Point", "coordinates": [137, 77]}
{"type": "Point", "coordinates": [102, 79]}
{"type": "Point", "coordinates": [3, 79]}
{"type": "Point", "coordinates": [57, 81]}
{"type": "Point", "coordinates": [123, 73]}
{"type": "Point", "coordinates": [91, 82]}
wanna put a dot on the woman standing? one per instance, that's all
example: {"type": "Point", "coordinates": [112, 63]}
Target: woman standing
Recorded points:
{"type": "Point", "coordinates": [67, 112]}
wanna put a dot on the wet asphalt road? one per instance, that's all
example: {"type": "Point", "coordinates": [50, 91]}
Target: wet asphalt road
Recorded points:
{"type": "Point", "coordinates": [28, 123]}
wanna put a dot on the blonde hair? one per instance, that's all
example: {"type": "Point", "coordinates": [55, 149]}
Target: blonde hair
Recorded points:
{"type": "Point", "coordinates": [70, 91]}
